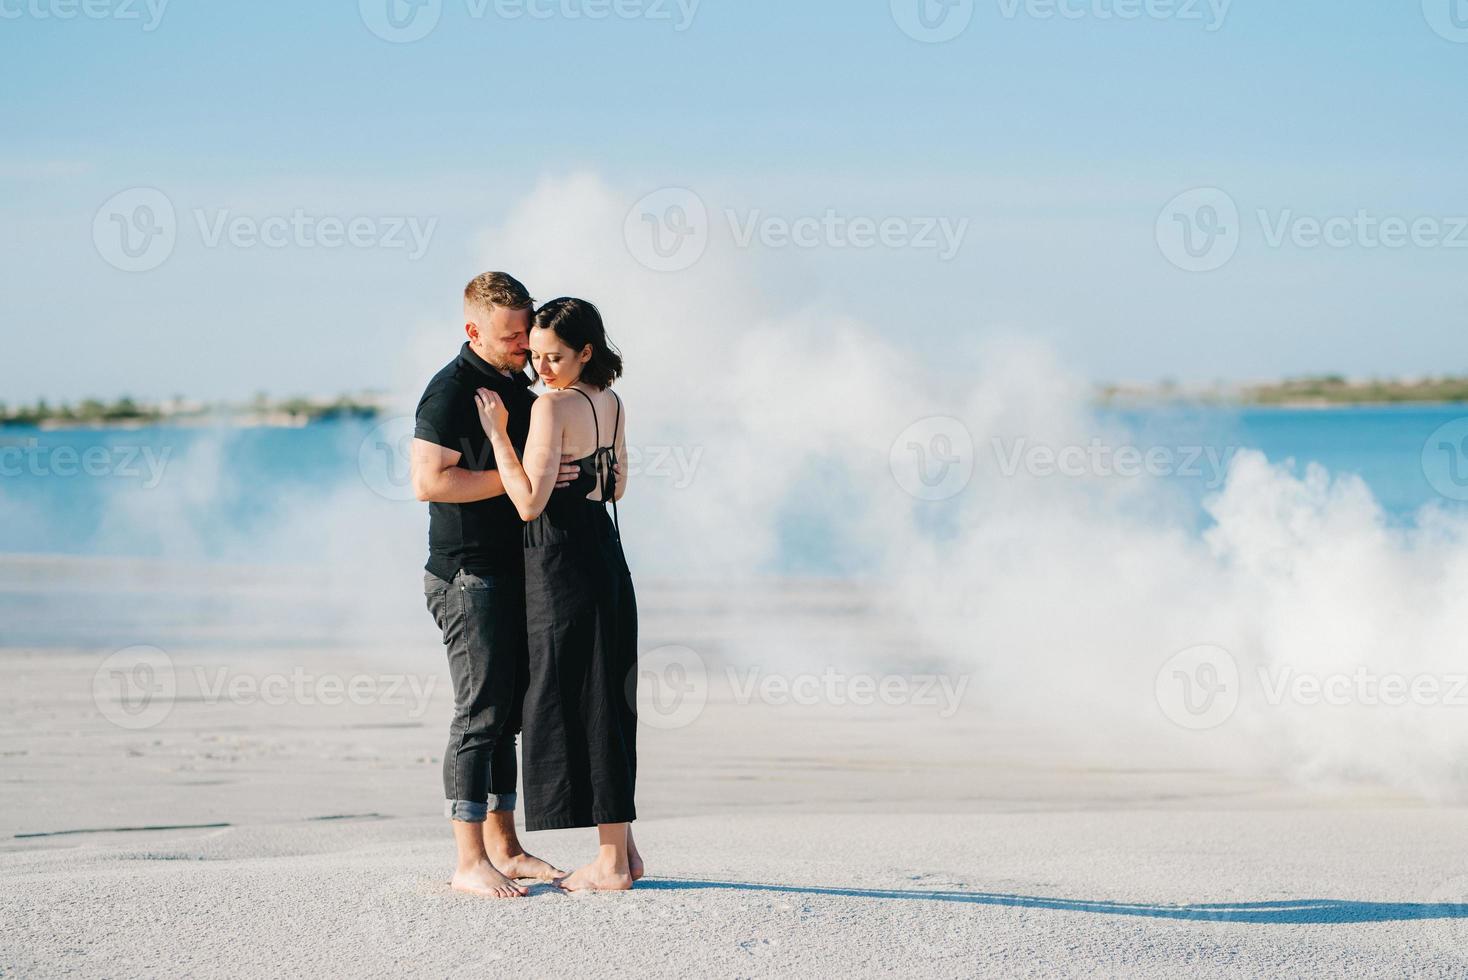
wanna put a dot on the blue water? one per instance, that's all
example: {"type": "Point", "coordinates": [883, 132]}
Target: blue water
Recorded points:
{"type": "Point", "coordinates": [213, 488]}
{"type": "Point", "coordinates": [218, 490]}
{"type": "Point", "coordinates": [1387, 446]}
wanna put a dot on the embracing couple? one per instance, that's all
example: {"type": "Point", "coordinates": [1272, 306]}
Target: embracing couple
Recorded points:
{"type": "Point", "coordinates": [527, 580]}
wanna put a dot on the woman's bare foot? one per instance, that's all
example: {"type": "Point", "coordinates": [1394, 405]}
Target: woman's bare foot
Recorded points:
{"type": "Point", "coordinates": [483, 879]}
{"type": "Point", "coordinates": [524, 865]}
{"type": "Point", "coordinates": [634, 857]}
{"type": "Point", "coordinates": [597, 877]}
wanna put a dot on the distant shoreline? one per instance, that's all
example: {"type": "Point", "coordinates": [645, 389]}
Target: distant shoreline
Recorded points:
{"type": "Point", "coordinates": [1296, 394]}
{"type": "Point", "coordinates": [1289, 406]}
{"type": "Point", "coordinates": [125, 413]}
{"type": "Point", "coordinates": [1323, 391]}
{"type": "Point", "coordinates": [183, 422]}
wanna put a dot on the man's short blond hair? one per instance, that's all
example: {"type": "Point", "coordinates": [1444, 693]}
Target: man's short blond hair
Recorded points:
{"type": "Point", "coordinates": [491, 289]}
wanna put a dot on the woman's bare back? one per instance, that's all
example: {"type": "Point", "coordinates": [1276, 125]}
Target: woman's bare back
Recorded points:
{"type": "Point", "coordinates": [582, 432]}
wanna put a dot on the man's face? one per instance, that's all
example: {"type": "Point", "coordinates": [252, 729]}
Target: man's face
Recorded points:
{"type": "Point", "coordinates": [499, 337]}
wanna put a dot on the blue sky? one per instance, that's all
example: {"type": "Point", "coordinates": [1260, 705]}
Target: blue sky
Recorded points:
{"type": "Point", "coordinates": [1057, 139]}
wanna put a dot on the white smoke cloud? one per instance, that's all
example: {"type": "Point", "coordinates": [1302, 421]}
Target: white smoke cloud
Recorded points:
{"type": "Point", "coordinates": [1063, 596]}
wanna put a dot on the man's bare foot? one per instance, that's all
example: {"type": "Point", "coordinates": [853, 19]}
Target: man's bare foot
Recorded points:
{"type": "Point", "coordinates": [483, 879]}
{"type": "Point", "coordinates": [597, 877]}
{"type": "Point", "coordinates": [524, 865]}
{"type": "Point", "coordinates": [634, 857]}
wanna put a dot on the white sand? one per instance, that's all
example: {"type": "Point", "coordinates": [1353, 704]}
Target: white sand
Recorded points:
{"type": "Point", "coordinates": [781, 840]}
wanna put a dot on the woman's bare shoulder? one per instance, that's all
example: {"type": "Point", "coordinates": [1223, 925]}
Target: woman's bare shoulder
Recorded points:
{"type": "Point", "coordinates": [552, 402]}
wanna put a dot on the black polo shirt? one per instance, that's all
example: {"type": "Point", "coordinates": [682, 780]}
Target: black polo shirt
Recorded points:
{"type": "Point", "coordinates": [483, 538]}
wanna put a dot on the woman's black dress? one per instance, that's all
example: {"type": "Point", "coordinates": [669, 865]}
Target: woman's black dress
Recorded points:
{"type": "Point", "coordinates": [580, 721]}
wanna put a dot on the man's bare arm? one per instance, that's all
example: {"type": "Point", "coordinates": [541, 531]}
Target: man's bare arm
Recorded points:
{"type": "Point", "coordinates": [438, 478]}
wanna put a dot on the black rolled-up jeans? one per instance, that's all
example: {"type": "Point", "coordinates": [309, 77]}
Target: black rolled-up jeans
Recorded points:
{"type": "Point", "coordinates": [483, 624]}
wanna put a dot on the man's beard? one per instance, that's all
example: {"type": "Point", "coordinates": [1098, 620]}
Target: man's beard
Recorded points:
{"type": "Point", "coordinates": [507, 362]}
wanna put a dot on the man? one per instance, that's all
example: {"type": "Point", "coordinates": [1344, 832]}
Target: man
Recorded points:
{"type": "Point", "coordinates": [475, 584]}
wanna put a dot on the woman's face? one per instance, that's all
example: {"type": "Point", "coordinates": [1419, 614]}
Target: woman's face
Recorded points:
{"type": "Point", "coordinates": [558, 365]}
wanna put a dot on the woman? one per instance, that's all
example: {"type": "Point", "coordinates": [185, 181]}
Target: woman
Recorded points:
{"type": "Point", "coordinates": [580, 719]}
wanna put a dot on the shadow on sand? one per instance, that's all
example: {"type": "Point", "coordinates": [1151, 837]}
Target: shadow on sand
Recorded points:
{"type": "Point", "coordinates": [1305, 911]}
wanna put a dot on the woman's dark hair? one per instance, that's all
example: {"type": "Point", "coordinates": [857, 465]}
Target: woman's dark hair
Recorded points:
{"type": "Point", "coordinates": [578, 323]}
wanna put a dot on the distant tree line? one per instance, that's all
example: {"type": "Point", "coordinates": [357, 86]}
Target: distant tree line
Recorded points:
{"type": "Point", "coordinates": [128, 411]}
{"type": "Point", "coordinates": [87, 410]}
{"type": "Point", "coordinates": [1335, 389]}
{"type": "Point", "coordinates": [1321, 389]}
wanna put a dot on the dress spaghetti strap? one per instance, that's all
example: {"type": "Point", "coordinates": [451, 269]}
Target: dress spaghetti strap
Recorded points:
{"type": "Point", "coordinates": [606, 483]}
